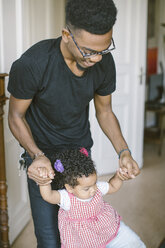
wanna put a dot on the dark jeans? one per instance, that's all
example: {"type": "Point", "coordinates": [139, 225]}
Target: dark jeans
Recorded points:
{"type": "Point", "coordinates": [45, 216]}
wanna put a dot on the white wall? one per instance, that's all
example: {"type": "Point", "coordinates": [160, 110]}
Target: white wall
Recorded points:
{"type": "Point", "coordinates": [44, 20]}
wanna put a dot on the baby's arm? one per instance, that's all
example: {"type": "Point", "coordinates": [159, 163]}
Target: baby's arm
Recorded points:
{"type": "Point", "coordinates": [116, 181]}
{"type": "Point", "coordinates": [49, 195]}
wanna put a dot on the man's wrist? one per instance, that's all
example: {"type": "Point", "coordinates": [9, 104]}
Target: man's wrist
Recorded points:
{"type": "Point", "coordinates": [123, 150]}
{"type": "Point", "coordinates": [38, 154]}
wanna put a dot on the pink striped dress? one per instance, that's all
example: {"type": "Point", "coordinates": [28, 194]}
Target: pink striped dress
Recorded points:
{"type": "Point", "coordinates": [88, 224]}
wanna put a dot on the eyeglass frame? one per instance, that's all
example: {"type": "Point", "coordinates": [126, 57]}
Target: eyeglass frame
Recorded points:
{"type": "Point", "coordinates": [88, 55]}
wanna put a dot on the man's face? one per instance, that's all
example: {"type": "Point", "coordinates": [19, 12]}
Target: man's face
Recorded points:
{"type": "Point", "coordinates": [82, 42]}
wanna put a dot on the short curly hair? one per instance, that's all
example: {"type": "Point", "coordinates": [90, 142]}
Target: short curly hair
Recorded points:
{"type": "Point", "coordinates": [75, 164]}
{"type": "Point", "coordinates": [94, 16]}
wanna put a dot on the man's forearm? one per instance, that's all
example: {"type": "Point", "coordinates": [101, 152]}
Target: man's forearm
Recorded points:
{"type": "Point", "coordinates": [110, 126]}
{"type": "Point", "coordinates": [21, 131]}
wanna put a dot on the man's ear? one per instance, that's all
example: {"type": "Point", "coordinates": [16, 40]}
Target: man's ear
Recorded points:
{"type": "Point", "coordinates": [65, 35]}
{"type": "Point", "coordinates": [69, 188]}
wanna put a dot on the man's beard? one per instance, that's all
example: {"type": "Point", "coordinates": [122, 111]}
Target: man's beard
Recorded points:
{"type": "Point", "coordinates": [80, 67]}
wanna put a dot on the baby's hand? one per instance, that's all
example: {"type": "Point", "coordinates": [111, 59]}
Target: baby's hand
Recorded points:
{"type": "Point", "coordinates": [43, 172]}
{"type": "Point", "coordinates": [122, 173]}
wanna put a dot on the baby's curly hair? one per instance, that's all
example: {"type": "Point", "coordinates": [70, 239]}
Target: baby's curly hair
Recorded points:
{"type": "Point", "coordinates": [94, 16]}
{"type": "Point", "coordinates": [75, 164]}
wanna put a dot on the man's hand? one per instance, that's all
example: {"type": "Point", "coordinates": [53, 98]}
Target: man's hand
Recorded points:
{"type": "Point", "coordinates": [128, 165]}
{"type": "Point", "coordinates": [36, 174]}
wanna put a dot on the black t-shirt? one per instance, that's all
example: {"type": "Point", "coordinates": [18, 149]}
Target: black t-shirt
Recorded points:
{"type": "Point", "coordinates": [58, 114]}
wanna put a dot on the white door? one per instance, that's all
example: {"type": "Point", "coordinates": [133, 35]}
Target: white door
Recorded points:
{"type": "Point", "coordinates": [22, 23]}
{"type": "Point", "coordinates": [129, 35]}
{"type": "Point", "coordinates": [11, 42]}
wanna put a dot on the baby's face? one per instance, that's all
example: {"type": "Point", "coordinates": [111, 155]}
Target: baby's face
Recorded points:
{"type": "Point", "coordinates": [86, 187]}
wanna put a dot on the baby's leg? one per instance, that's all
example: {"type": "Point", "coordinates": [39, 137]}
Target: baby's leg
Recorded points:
{"type": "Point", "coordinates": [126, 238]}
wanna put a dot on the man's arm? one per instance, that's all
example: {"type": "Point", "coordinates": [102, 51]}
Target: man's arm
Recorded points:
{"type": "Point", "coordinates": [110, 126]}
{"type": "Point", "coordinates": [21, 130]}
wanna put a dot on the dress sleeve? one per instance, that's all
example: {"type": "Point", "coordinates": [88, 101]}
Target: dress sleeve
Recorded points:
{"type": "Point", "coordinates": [64, 199]}
{"type": "Point", "coordinates": [103, 187]}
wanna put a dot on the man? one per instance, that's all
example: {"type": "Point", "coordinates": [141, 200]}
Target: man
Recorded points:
{"type": "Point", "coordinates": [51, 86]}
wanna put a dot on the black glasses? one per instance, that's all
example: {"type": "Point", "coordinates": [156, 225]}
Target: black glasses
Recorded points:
{"type": "Point", "coordinates": [93, 52]}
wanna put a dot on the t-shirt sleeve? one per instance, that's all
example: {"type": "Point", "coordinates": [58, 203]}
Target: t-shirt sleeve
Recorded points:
{"type": "Point", "coordinates": [24, 78]}
{"type": "Point", "coordinates": [64, 199]}
{"type": "Point", "coordinates": [103, 187]}
{"type": "Point", "coordinates": [108, 86]}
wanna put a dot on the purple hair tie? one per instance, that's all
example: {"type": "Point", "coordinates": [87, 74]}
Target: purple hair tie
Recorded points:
{"type": "Point", "coordinates": [59, 166]}
{"type": "Point", "coordinates": [84, 151]}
